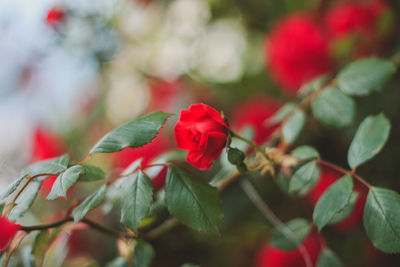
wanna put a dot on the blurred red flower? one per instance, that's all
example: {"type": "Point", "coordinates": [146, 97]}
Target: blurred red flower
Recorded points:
{"type": "Point", "coordinates": [55, 16]}
{"type": "Point", "coordinates": [254, 112]}
{"type": "Point", "coordinates": [327, 178]}
{"type": "Point", "coordinates": [296, 51]}
{"type": "Point", "coordinates": [8, 230]}
{"type": "Point", "coordinates": [269, 256]}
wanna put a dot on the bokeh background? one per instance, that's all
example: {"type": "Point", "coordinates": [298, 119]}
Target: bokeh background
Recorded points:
{"type": "Point", "coordinates": [72, 70]}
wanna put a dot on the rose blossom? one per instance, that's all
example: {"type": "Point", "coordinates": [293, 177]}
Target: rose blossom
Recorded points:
{"type": "Point", "coordinates": [203, 132]}
{"type": "Point", "coordinates": [8, 230]}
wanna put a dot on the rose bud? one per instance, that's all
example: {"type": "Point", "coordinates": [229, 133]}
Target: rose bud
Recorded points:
{"type": "Point", "coordinates": [327, 178]}
{"type": "Point", "coordinates": [296, 51]}
{"type": "Point", "coordinates": [8, 230]}
{"type": "Point", "coordinates": [254, 112]}
{"type": "Point", "coordinates": [55, 16]}
{"type": "Point", "coordinates": [272, 256]}
{"type": "Point", "coordinates": [201, 131]}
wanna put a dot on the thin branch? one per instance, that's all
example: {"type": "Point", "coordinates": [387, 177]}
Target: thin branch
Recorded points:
{"type": "Point", "coordinates": [252, 144]}
{"type": "Point", "coordinates": [344, 171]}
{"type": "Point", "coordinates": [273, 219]}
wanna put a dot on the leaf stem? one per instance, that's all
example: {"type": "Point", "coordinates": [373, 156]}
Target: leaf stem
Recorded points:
{"type": "Point", "coordinates": [250, 143]}
{"type": "Point", "coordinates": [344, 171]}
{"type": "Point", "coordinates": [88, 156]}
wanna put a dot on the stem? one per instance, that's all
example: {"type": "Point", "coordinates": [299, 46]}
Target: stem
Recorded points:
{"type": "Point", "coordinates": [88, 222]}
{"type": "Point", "coordinates": [273, 219]}
{"type": "Point", "coordinates": [251, 143]}
{"type": "Point", "coordinates": [344, 171]}
{"type": "Point", "coordinates": [88, 156]}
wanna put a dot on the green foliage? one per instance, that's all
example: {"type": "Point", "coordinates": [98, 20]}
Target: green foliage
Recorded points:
{"type": "Point", "coordinates": [365, 76]}
{"type": "Point", "coordinates": [305, 152]}
{"type": "Point", "coordinates": [281, 114]}
{"type": "Point", "coordinates": [52, 166]}
{"type": "Point", "coordinates": [91, 173]}
{"type": "Point", "coordinates": [11, 188]}
{"type": "Point", "coordinates": [369, 139]}
{"type": "Point", "coordinates": [118, 262]}
{"type": "Point", "coordinates": [132, 134]}
{"type": "Point", "coordinates": [333, 108]}
{"type": "Point", "coordinates": [144, 254]}
{"type": "Point", "coordinates": [382, 219]}
{"type": "Point", "coordinates": [136, 198]}
{"type": "Point", "coordinates": [25, 200]}
{"type": "Point", "coordinates": [333, 201]}
{"type": "Point", "coordinates": [293, 125]}
{"type": "Point", "coordinates": [64, 181]}
{"type": "Point", "coordinates": [88, 204]}
{"type": "Point", "coordinates": [313, 85]}
{"type": "Point", "coordinates": [299, 229]}
{"type": "Point", "coordinates": [328, 258]}
{"type": "Point", "coordinates": [343, 214]}
{"type": "Point", "coordinates": [236, 157]}
{"type": "Point", "coordinates": [304, 178]}
{"type": "Point", "coordinates": [194, 203]}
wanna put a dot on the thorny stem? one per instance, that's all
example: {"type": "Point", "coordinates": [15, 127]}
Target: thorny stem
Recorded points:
{"type": "Point", "coordinates": [88, 222]}
{"type": "Point", "coordinates": [344, 171]}
{"type": "Point", "coordinates": [273, 219]}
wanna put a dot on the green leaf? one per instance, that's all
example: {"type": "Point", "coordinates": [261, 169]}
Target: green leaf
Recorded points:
{"type": "Point", "coordinates": [236, 157]}
{"type": "Point", "coordinates": [25, 200]}
{"type": "Point", "coordinates": [313, 85]}
{"type": "Point", "coordinates": [136, 198]}
{"type": "Point", "coordinates": [283, 182]}
{"type": "Point", "coordinates": [52, 166]}
{"type": "Point", "coordinates": [132, 134]}
{"type": "Point", "coordinates": [305, 152]}
{"type": "Point", "coordinates": [281, 114]}
{"type": "Point", "coordinates": [299, 229]}
{"type": "Point", "coordinates": [56, 253]}
{"type": "Point", "coordinates": [333, 200]}
{"type": "Point", "coordinates": [11, 188]}
{"type": "Point", "coordinates": [348, 209]}
{"type": "Point", "coordinates": [365, 76]}
{"type": "Point", "coordinates": [333, 108]}
{"type": "Point", "coordinates": [194, 203]}
{"type": "Point", "coordinates": [91, 173]}
{"type": "Point", "coordinates": [304, 178]}
{"type": "Point", "coordinates": [144, 254]}
{"type": "Point", "coordinates": [91, 202]}
{"type": "Point", "coordinates": [370, 138]}
{"type": "Point", "coordinates": [328, 258]}
{"type": "Point", "coordinates": [293, 125]}
{"type": "Point", "coordinates": [118, 262]}
{"type": "Point", "coordinates": [64, 181]}
{"type": "Point", "coordinates": [382, 219]}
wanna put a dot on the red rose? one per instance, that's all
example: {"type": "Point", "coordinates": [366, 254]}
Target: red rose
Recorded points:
{"type": "Point", "coordinates": [254, 112]}
{"type": "Point", "coordinates": [327, 178]}
{"type": "Point", "coordinates": [55, 16]}
{"type": "Point", "coordinates": [203, 132]}
{"type": "Point", "coordinates": [8, 230]}
{"type": "Point", "coordinates": [272, 256]}
{"type": "Point", "coordinates": [297, 51]}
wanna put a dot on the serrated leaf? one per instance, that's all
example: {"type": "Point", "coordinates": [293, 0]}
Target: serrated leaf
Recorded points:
{"type": "Point", "coordinates": [136, 198]}
{"type": "Point", "coordinates": [91, 202]}
{"type": "Point", "coordinates": [25, 200]}
{"type": "Point", "coordinates": [281, 114]}
{"type": "Point", "coordinates": [304, 178]}
{"type": "Point", "coordinates": [382, 219]}
{"type": "Point", "coordinates": [91, 173]}
{"type": "Point", "coordinates": [348, 209]}
{"type": "Point", "coordinates": [194, 203]}
{"type": "Point", "coordinates": [132, 134]}
{"type": "Point", "coordinates": [333, 108]}
{"type": "Point", "coordinates": [53, 166]}
{"type": "Point", "coordinates": [11, 188]}
{"type": "Point", "coordinates": [144, 254]}
{"type": "Point", "coordinates": [283, 182]}
{"type": "Point", "coordinates": [293, 125]}
{"type": "Point", "coordinates": [369, 139]}
{"type": "Point", "coordinates": [305, 152]}
{"type": "Point", "coordinates": [333, 201]}
{"type": "Point", "coordinates": [328, 258]}
{"type": "Point", "coordinates": [64, 181]}
{"type": "Point", "coordinates": [365, 76]}
{"type": "Point", "coordinates": [299, 229]}
{"type": "Point", "coordinates": [313, 85]}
